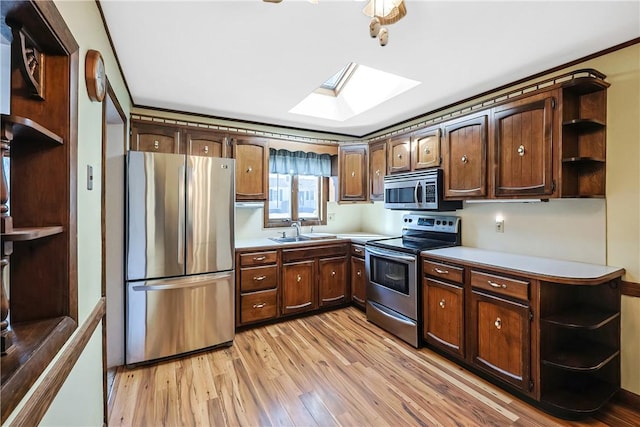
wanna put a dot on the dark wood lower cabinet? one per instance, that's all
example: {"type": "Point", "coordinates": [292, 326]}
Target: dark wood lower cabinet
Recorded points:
{"type": "Point", "coordinates": [358, 282]}
{"type": "Point", "coordinates": [332, 281]}
{"type": "Point", "coordinates": [443, 308]}
{"type": "Point", "coordinates": [500, 338]}
{"type": "Point", "coordinates": [554, 340]}
{"type": "Point", "coordinates": [298, 286]}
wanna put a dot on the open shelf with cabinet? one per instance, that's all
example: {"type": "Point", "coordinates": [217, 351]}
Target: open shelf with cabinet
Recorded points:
{"type": "Point", "coordinates": [583, 152]}
{"type": "Point", "coordinates": [580, 345]}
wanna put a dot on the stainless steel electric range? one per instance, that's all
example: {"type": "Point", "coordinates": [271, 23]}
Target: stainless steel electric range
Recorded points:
{"type": "Point", "coordinates": [394, 272]}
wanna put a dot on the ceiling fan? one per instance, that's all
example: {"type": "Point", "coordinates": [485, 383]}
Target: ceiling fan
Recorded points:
{"type": "Point", "coordinates": [382, 12]}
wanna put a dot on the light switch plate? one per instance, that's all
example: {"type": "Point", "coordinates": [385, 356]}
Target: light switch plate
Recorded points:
{"type": "Point", "coordinates": [89, 177]}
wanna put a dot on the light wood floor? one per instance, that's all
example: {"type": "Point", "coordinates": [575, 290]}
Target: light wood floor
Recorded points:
{"type": "Point", "coordinates": [329, 369]}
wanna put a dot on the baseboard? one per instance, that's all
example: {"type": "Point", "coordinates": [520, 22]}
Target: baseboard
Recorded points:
{"type": "Point", "coordinates": [629, 398]}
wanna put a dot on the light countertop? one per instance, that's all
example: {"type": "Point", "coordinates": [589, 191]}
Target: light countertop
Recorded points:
{"type": "Point", "coordinates": [539, 266]}
{"type": "Point", "coordinates": [262, 242]}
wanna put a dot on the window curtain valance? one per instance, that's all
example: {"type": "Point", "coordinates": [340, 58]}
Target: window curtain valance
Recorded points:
{"type": "Point", "coordinates": [299, 163]}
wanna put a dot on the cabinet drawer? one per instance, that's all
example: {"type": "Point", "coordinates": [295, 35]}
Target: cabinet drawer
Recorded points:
{"type": "Point", "coordinates": [357, 250]}
{"type": "Point", "coordinates": [500, 285]}
{"type": "Point", "coordinates": [258, 306]}
{"type": "Point", "coordinates": [443, 271]}
{"type": "Point", "coordinates": [258, 258]}
{"type": "Point", "coordinates": [258, 278]}
{"type": "Point", "coordinates": [306, 253]}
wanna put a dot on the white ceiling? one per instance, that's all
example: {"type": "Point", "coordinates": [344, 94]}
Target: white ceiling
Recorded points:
{"type": "Point", "coordinates": [254, 61]}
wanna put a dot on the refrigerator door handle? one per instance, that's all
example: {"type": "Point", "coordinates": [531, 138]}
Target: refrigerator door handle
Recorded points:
{"type": "Point", "coordinates": [184, 282]}
{"type": "Point", "coordinates": [181, 214]}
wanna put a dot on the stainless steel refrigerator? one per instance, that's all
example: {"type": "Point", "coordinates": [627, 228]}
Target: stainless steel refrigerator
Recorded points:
{"type": "Point", "coordinates": [180, 254]}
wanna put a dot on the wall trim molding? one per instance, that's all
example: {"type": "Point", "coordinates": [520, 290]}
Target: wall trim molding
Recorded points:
{"type": "Point", "coordinates": [628, 398]}
{"type": "Point", "coordinates": [630, 289]}
{"type": "Point", "coordinates": [45, 392]}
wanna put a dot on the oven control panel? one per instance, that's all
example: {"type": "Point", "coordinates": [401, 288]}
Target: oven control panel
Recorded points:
{"type": "Point", "coordinates": [442, 223]}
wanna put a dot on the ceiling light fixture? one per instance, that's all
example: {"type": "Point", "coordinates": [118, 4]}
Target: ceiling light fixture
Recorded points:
{"type": "Point", "coordinates": [383, 12]}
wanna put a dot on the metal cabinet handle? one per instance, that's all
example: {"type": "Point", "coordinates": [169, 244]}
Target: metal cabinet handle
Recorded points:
{"type": "Point", "coordinates": [498, 323]}
{"type": "Point", "coordinates": [259, 278]}
{"type": "Point", "coordinates": [442, 302]}
{"type": "Point", "coordinates": [333, 274]}
{"type": "Point", "coordinates": [156, 144]}
{"type": "Point", "coordinates": [358, 251]}
{"type": "Point", "coordinates": [249, 169]}
{"type": "Point", "coordinates": [206, 149]}
{"type": "Point", "coordinates": [521, 150]}
{"type": "Point", "coordinates": [464, 159]}
{"type": "Point", "coordinates": [439, 271]}
{"type": "Point", "coordinates": [262, 304]}
{"type": "Point", "coordinates": [426, 150]}
{"type": "Point", "coordinates": [497, 285]}
{"type": "Point", "coordinates": [259, 258]}
{"type": "Point", "coordinates": [377, 172]}
{"type": "Point", "coordinates": [299, 278]}
{"type": "Point", "coordinates": [399, 156]}
{"type": "Point", "coordinates": [353, 173]}
{"type": "Point", "coordinates": [359, 273]}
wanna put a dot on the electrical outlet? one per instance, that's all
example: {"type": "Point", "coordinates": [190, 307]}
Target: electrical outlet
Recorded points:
{"type": "Point", "coordinates": [332, 216]}
{"type": "Point", "coordinates": [500, 226]}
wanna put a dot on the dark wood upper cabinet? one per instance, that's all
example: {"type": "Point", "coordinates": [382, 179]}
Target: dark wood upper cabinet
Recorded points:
{"type": "Point", "coordinates": [377, 169]}
{"type": "Point", "coordinates": [155, 137]}
{"type": "Point", "coordinates": [252, 167]}
{"type": "Point", "coordinates": [399, 151]}
{"type": "Point", "coordinates": [353, 165]}
{"type": "Point", "coordinates": [425, 149]}
{"type": "Point", "coordinates": [464, 154]}
{"type": "Point", "coordinates": [523, 134]}
{"type": "Point", "coordinates": [206, 143]}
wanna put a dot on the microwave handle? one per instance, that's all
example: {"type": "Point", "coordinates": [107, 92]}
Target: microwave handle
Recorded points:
{"type": "Point", "coordinates": [415, 193]}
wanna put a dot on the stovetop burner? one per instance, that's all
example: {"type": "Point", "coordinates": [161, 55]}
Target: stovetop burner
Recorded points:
{"type": "Point", "coordinates": [423, 232]}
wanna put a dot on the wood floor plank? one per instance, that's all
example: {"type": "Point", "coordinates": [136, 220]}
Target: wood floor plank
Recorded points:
{"type": "Point", "coordinates": [331, 369]}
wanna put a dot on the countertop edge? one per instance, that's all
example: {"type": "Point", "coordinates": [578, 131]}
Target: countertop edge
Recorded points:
{"type": "Point", "coordinates": [546, 269]}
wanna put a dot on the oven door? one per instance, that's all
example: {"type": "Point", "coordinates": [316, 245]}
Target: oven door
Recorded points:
{"type": "Point", "coordinates": [392, 280]}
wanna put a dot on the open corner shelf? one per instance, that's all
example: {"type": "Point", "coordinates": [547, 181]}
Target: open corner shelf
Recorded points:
{"type": "Point", "coordinates": [26, 129]}
{"type": "Point", "coordinates": [581, 317]}
{"type": "Point", "coordinates": [581, 356]}
{"type": "Point", "coordinates": [31, 233]}
{"type": "Point", "coordinates": [576, 160]}
{"type": "Point", "coordinates": [585, 85]}
{"type": "Point", "coordinates": [593, 396]}
{"type": "Point", "coordinates": [584, 124]}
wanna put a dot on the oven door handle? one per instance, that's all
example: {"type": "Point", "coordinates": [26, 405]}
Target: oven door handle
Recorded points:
{"type": "Point", "coordinates": [391, 255]}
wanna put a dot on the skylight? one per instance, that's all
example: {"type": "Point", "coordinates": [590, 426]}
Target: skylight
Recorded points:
{"type": "Point", "coordinates": [352, 90]}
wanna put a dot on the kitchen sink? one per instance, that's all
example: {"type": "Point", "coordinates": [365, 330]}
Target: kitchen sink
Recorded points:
{"type": "Point", "coordinates": [289, 239]}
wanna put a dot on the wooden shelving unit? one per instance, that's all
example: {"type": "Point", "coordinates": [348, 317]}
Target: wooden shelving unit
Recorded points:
{"type": "Point", "coordinates": [583, 136]}
{"type": "Point", "coordinates": [38, 197]}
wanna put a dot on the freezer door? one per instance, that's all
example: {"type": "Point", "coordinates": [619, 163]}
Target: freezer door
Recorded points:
{"type": "Point", "coordinates": [210, 214]}
{"type": "Point", "coordinates": [174, 316]}
{"type": "Point", "coordinates": [155, 215]}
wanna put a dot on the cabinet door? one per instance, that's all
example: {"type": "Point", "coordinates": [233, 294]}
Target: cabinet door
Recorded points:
{"type": "Point", "coordinates": [298, 287]}
{"type": "Point", "coordinates": [377, 170]}
{"type": "Point", "coordinates": [252, 164]}
{"type": "Point", "coordinates": [425, 149]}
{"type": "Point", "coordinates": [332, 281]}
{"type": "Point", "coordinates": [500, 338]}
{"type": "Point", "coordinates": [399, 154]}
{"type": "Point", "coordinates": [523, 138]}
{"type": "Point", "coordinates": [206, 143]}
{"type": "Point", "coordinates": [443, 308]}
{"type": "Point", "coordinates": [353, 162]}
{"type": "Point", "coordinates": [156, 138]}
{"type": "Point", "coordinates": [358, 282]}
{"type": "Point", "coordinates": [465, 158]}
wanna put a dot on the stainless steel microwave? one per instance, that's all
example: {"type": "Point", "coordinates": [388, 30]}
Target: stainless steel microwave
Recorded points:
{"type": "Point", "coordinates": [415, 191]}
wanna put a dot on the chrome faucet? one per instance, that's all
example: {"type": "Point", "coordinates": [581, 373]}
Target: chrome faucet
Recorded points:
{"type": "Point", "coordinates": [296, 225]}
